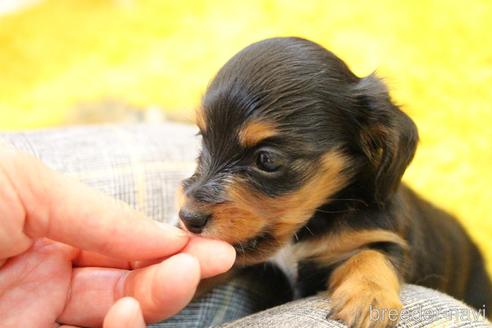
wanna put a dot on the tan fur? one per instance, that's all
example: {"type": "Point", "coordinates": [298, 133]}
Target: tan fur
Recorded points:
{"type": "Point", "coordinates": [365, 280]}
{"type": "Point", "coordinates": [374, 151]}
{"type": "Point", "coordinates": [200, 119]}
{"type": "Point", "coordinates": [180, 197]}
{"type": "Point", "coordinates": [248, 212]}
{"type": "Point", "coordinates": [341, 245]}
{"type": "Point", "coordinates": [232, 223]}
{"type": "Point", "coordinates": [255, 131]}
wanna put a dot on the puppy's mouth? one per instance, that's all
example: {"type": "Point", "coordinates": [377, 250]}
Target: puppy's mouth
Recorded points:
{"type": "Point", "coordinates": [252, 245]}
{"type": "Point", "coordinates": [246, 246]}
{"type": "Point", "coordinates": [253, 250]}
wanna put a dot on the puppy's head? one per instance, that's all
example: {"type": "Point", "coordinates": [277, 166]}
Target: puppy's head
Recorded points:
{"type": "Point", "coordinates": [285, 125]}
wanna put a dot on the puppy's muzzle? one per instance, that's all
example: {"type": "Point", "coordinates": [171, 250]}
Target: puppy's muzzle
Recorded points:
{"type": "Point", "coordinates": [194, 220]}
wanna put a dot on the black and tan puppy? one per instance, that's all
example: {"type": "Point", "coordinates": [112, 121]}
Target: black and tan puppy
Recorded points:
{"type": "Point", "coordinates": [300, 154]}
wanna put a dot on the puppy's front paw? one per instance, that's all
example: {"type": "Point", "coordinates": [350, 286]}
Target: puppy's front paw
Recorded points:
{"type": "Point", "coordinates": [365, 290]}
{"type": "Point", "coordinates": [365, 304]}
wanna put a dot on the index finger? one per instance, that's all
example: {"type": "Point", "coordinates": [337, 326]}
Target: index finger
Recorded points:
{"type": "Point", "coordinates": [63, 209]}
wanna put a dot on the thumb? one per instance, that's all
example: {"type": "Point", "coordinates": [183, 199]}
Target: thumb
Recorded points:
{"type": "Point", "coordinates": [125, 313]}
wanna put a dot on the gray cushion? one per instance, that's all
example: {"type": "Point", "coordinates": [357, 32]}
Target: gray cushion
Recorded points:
{"type": "Point", "coordinates": [423, 307]}
{"type": "Point", "coordinates": [142, 165]}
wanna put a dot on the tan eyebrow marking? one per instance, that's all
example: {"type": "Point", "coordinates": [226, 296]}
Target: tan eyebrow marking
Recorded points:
{"type": "Point", "coordinates": [256, 131]}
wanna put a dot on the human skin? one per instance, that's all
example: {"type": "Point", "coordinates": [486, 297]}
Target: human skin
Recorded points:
{"type": "Point", "coordinates": [69, 253]}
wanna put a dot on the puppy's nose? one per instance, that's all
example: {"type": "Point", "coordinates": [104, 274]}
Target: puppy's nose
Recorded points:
{"type": "Point", "coordinates": [194, 221]}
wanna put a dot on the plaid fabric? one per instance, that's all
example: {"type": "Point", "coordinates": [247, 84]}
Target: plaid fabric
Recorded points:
{"type": "Point", "coordinates": [254, 289]}
{"type": "Point", "coordinates": [139, 164]}
{"type": "Point", "coordinates": [423, 307]}
{"type": "Point", "coordinates": [142, 165]}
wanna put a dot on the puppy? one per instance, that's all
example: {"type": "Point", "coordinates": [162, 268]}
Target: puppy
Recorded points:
{"type": "Point", "coordinates": [299, 155]}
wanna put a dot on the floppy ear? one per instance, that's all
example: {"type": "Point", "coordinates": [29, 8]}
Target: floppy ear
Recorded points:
{"type": "Point", "coordinates": [388, 137]}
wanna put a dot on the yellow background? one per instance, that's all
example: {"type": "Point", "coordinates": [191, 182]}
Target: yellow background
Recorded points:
{"type": "Point", "coordinates": [435, 55]}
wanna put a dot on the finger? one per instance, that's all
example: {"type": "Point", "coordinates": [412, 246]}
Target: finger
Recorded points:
{"type": "Point", "coordinates": [12, 214]}
{"type": "Point", "coordinates": [65, 210]}
{"type": "Point", "coordinates": [215, 257]}
{"type": "Point", "coordinates": [125, 313]}
{"type": "Point", "coordinates": [162, 290]}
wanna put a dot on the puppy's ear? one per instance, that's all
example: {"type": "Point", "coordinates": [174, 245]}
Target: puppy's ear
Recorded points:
{"type": "Point", "coordinates": [387, 136]}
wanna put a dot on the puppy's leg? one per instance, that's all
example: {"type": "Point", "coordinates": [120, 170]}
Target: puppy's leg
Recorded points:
{"type": "Point", "coordinates": [364, 291]}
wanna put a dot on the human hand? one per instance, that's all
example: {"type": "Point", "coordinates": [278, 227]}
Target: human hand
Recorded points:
{"type": "Point", "coordinates": [68, 253]}
{"type": "Point", "coordinates": [125, 313]}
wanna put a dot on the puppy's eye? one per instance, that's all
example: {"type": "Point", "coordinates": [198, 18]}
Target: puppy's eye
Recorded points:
{"type": "Point", "coordinates": [268, 161]}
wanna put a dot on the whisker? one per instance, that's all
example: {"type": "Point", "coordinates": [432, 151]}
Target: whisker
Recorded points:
{"type": "Point", "coordinates": [240, 248]}
{"type": "Point", "coordinates": [310, 231]}
{"type": "Point", "coordinates": [349, 199]}
{"type": "Point", "coordinates": [336, 211]}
